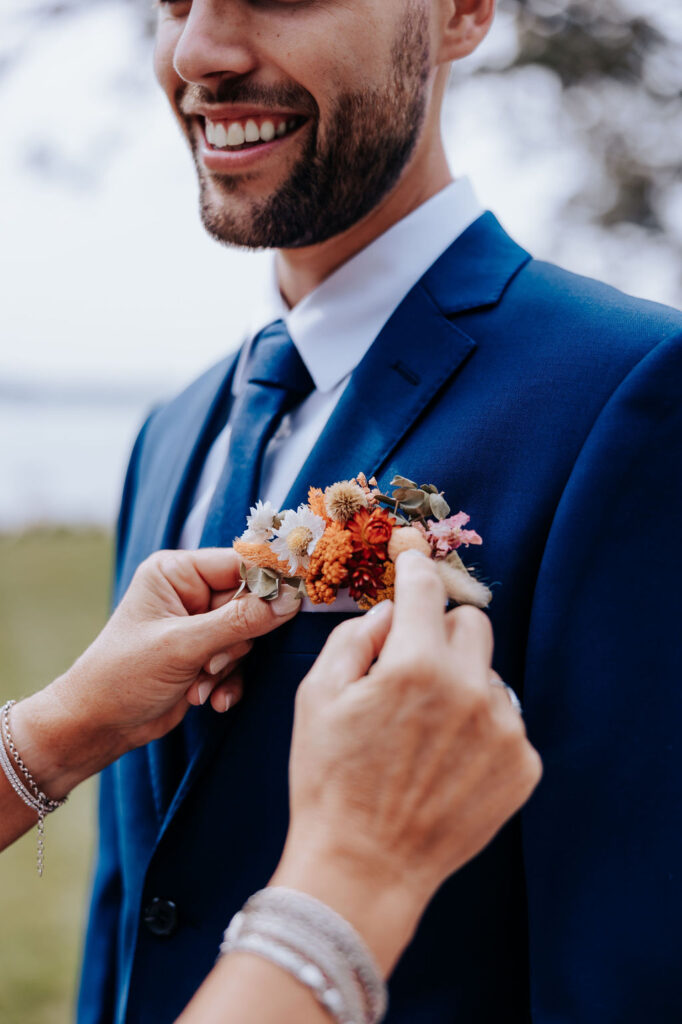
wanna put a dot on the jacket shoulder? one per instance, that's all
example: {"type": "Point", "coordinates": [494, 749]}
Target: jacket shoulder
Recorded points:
{"type": "Point", "coordinates": [196, 396]}
{"type": "Point", "coordinates": [580, 312]}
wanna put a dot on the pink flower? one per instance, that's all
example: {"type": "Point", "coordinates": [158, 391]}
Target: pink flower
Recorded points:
{"type": "Point", "coordinates": [448, 534]}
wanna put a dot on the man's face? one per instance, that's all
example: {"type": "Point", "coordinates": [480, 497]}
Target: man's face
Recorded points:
{"type": "Point", "coordinates": [301, 114]}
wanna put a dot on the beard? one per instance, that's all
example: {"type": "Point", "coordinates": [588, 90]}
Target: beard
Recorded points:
{"type": "Point", "coordinates": [342, 175]}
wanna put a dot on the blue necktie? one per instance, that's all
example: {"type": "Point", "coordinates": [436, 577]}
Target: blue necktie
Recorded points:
{"type": "Point", "coordinates": [277, 381]}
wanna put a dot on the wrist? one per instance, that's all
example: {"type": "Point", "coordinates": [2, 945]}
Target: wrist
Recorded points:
{"type": "Point", "coordinates": [383, 907]}
{"type": "Point", "coordinates": [59, 742]}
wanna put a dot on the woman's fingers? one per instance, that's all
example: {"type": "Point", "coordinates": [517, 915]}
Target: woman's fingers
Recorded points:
{"type": "Point", "coordinates": [190, 577]}
{"type": "Point", "coordinates": [469, 631]}
{"type": "Point", "coordinates": [244, 618]}
{"type": "Point", "coordinates": [419, 608]}
{"type": "Point", "coordinates": [352, 647]}
{"type": "Point", "coordinates": [220, 661]}
{"type": "Point", "coordinates": [224, 690]}
{"type": "Point", "coordinates": [221, 597]}
{"type": "Point", "coordinates": [217, 669]}
{"type": "Point", "coordinates": [228, 693]}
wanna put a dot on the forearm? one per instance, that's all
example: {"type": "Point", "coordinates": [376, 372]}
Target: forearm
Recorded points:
{"type": "Point", "coordinates": [15, 817]}
{"type": "Point", "coordinates": [60, 747]}
{"type": "Point", "coordinates": [247, 989]}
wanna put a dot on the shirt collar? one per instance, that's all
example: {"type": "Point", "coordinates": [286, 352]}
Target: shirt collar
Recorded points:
{"type": "Point", "coordinates": [334, 326]}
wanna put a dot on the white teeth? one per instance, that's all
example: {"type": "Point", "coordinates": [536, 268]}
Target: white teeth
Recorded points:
{"type": "Point", "coordinates": [235, 134]}
{"type": "Point", "coordinates": [219, 135]}
{"type": "Point", "coordinates": [251, 132]}
{"type": "Point", "coordinates": [267, 131]}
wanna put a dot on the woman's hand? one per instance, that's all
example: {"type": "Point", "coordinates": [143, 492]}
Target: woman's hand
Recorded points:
{"type": "Point", "coordinates": [175, 638]}
{"type": "Point", "coordinates": [403, 767]}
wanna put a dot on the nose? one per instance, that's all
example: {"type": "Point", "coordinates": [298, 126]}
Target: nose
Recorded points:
{"type": "Point", "coordinates": [215, 42]}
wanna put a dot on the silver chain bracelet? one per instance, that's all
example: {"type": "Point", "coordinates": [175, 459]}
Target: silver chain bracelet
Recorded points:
{"type": "Point", "coordinates": [29, 790]}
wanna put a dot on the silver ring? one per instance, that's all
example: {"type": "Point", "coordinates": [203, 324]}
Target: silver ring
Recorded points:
{"type": "Point", "coordinates": [513, 699]}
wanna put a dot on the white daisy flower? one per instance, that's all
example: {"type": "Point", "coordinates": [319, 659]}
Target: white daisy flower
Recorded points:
{"type": "Point", "coordinates": [261, 523]}
{"type": "Point", "coordinates": [297, 537]}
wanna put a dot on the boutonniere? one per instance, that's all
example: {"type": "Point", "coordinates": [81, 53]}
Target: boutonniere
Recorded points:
{"type": "Point", "coordinates": [349, 536]}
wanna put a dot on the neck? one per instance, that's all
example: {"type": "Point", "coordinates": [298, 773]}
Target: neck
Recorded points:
{"type": "Point", "coordinates": [300, 271]}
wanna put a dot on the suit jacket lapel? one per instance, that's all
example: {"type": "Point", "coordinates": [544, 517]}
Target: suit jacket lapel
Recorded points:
{"type": "Point", "coordinates": [414, 355]}
{"type": "Point", "coordinates": [194, 438]}
{"type": "Point", "coordinates": [191, 424]}
{"type": "Point", "coordinates": [177, 438]}
{"type": "Point", "coordinates": [417, 352]}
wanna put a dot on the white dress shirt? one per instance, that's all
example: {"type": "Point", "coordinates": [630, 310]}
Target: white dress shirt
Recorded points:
{"type": "Point", "coordinates": [332, 328]}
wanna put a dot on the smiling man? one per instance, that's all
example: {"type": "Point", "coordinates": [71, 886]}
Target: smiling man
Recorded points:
{"type": "Point", "coordinates": [404, 331]}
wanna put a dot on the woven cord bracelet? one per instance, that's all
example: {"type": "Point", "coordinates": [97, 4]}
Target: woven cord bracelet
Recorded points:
{"type": "Point", "coordinates": [27, 790]}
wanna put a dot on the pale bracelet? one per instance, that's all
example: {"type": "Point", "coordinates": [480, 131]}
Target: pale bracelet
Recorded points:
{"type": "Point", "coordinates": [317, 946]}
{"type": "Point", "coordinates": [27, 790]}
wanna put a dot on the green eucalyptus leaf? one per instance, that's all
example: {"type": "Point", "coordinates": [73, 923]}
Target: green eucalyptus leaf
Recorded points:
{"type": "Point", "coordinates": [263, 583]}
{"type": "Point", "coordinates": [402, 481]}
{"type": "Point", "coordinates": [403, 494]}
{"type": "Point", "coordinates": [243, 570]}
{"type": "Point", "coordinates": [384, 499]}
{"type": "Point", "coordinates": [401, 520]}
{"type": "Point", "coordinates": [417, 503]}
{"type": "Point", "coordinates": [439, 506]}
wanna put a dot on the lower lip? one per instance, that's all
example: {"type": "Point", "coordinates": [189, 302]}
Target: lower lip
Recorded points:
{"type": "Point", "coordinates": [226, 161]}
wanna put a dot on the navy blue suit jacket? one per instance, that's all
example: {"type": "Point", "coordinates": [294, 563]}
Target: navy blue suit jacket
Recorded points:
{"type": "Point", "coordinates": [547, 406]}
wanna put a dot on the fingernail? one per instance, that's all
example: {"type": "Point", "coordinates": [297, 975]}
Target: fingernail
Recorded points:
{"type": "Point", "coordinates": [378, 607]}
{"type": "Point", "coordinates": [218, 663]}
{"type": "Point", "coordinates": [230, 699]}
{"type": "Point", "coordinates": [204, 690]}
{"type": "Point", "coordinates": [287, 601]}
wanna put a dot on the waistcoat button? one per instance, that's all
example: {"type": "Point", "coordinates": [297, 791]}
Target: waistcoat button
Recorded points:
{"type": "Point", "coordinates": [161, 917]}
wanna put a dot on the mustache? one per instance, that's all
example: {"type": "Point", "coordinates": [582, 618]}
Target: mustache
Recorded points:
{"type": "Point", "coordinates": [239, 92]}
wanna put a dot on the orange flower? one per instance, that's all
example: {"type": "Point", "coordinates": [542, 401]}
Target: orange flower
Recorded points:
{"type": "Point", "coordinates": [261, 555]}
{"type": "Point", "coordinates": [364, 578]}
{"type": "Point", "coordinates": [317, 504]}
{"type": "Point", "coordinates": [371, 532]}
{"type": "Point", "coordinates": [327, 569]}
{"type": "Point", "coordinates": [386, 592]}
{"type": "Point", "coordinates": [370, 487]}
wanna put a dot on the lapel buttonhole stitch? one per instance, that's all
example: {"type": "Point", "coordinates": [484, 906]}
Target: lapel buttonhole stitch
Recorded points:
{"type": "Point", "coordinates": [406, 373]}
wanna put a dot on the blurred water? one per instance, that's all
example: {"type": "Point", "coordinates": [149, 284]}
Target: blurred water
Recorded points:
{"type": "Point", "coordinates": [63, 463]}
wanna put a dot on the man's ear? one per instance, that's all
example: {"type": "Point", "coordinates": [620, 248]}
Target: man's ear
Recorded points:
{"type": "Point", "coordinates": [463, 25]}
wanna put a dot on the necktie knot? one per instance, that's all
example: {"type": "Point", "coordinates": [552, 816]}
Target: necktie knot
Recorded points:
{"type": "Point", "coordinates": [275, 362]}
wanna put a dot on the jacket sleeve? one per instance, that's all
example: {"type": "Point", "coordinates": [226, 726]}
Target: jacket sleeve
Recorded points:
{"type": "Point", "coordinates": [97, 994]}
{"type": "Point", "coordinates": [603, 700]}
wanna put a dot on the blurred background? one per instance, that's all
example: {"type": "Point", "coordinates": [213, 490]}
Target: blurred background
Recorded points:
{"type": "Point", "coordinates": [569, 122]}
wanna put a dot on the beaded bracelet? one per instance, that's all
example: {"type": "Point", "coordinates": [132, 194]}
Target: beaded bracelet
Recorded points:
{"type": "Point", "coordinates": [317, 946]}
{"type": "Point", "coordinates": [32, 796]}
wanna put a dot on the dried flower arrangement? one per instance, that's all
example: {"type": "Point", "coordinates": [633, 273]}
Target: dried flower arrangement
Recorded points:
{"type": "Point", "coordinates": [349, 537]}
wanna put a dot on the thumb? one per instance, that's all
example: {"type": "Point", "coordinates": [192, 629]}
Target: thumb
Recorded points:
{"type": "Point", "coordinates": [241, 619]}
{"type": "Point", "coordinates": [352, 647]}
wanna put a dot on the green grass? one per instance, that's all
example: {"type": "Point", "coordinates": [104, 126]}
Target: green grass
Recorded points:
{"type": "Point", "coordinates": [53, 601]}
